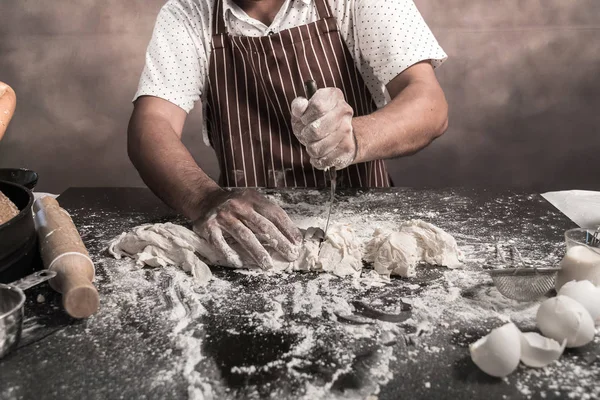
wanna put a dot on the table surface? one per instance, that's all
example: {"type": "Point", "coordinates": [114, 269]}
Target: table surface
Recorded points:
{"type": "Point", "coordinates": [159, 335]}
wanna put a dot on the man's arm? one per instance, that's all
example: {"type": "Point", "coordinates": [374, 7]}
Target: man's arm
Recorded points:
{"type": "Point", "coordinates": [416, 115]}
{"type": "Point", "coordinates": [164, 163]}
{"type": "Point", "coordinates": [166, 166]}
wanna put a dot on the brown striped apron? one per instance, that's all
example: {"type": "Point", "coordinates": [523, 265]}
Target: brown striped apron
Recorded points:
{"type": "Point", "coordinates": [252, 82]}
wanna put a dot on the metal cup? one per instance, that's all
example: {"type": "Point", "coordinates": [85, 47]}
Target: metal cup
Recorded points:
{"type": "Point", "coordinates": [12, 300]}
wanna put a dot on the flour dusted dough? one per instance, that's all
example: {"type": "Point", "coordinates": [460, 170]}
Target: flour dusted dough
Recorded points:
{"type": "Point", "coordinates": [398, 253]}
{"type": "Point", "coordinates": [158, 245]}
{"type": "Point", "coordinates": [340, 253]}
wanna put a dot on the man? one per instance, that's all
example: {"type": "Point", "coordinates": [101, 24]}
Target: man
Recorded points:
{"type": "Point", "coordinates": [246, 61]}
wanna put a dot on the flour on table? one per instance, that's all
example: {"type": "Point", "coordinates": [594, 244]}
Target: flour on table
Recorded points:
{"type": "Point", "coordinates": [398, 253]}
{"type": "Point", "coordinates": [159, 245]}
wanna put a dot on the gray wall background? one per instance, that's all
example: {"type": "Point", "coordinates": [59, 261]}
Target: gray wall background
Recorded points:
{"type": "Point", "coordinates": [522, 81]}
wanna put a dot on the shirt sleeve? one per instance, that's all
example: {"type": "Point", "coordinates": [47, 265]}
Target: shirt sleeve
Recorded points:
{"type": "Point", "coordinates": [174, 67]}
{"type": "Point", "coordinates": [391, 36]}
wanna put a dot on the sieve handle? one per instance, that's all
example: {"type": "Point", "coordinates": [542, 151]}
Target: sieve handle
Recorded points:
{"type": "Point", "coordinates": [34, 279]}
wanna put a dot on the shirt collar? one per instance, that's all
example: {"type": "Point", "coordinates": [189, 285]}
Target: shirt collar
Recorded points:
{"type": "Point", "coordinates": [228, 4]}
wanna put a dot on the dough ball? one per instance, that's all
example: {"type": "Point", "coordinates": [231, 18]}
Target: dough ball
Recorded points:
{"type": "Point", "coordinates": [438, 247]}
{"type": "Point", "coordinates": [340, 253]}
{"type": "Point", "coordinates": [586, 294]}
{"type": "Point", "coordinates": [498, 353]}
{"type": "Point", "coordinates": [563, 318]}
{"type": "Point", "coordinates": [580, 263]}
{"type": "Point", "coordinates": [398, 254]}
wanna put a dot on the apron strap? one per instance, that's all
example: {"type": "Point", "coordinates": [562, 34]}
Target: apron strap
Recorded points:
{"type": "Point", "coordinates": [218, 21]}
{"type": "Point", "coordinates": [323, 9]}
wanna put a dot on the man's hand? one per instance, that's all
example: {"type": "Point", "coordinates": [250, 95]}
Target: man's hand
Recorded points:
{"type": "Point", "coordinates": [324, 125]}
{"type": "Point", "coordinates": [251, 220]}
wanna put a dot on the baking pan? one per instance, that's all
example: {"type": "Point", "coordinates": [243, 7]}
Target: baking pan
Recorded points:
{"type": "Point", "coordinates": [18, 235]}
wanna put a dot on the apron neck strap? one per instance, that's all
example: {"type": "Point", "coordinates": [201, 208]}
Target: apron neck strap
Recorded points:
{"type": "Point", "coordinates": [323, 10]}
{"type": "Point", "coordinates": [218, 19]}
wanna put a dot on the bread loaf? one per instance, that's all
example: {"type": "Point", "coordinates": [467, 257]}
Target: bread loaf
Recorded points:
{"type": "Point", "coordinates": [8, 210]}
{"type": "Point", "coordinates": [8, 102]}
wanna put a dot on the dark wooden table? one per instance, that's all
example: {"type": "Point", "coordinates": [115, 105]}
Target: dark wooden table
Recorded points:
{"type": "Point", "coordinates": [134, 348]}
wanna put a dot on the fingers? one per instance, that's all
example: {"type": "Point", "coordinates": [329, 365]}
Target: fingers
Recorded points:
{"type": "Point", "coordinates": [214, 235]}
{"type": "Point", "coordinates": [340, 157]}
{"type": "Point", "coordinates": [268, 233]}
{"type": "Point", "coordinates": [321, 103]}
{"type": "Point", "coordinates": [298, 106]}
{"type": "Point", "coordinates": [247, 239]}
{"type": "Point", "coordinates": [280, 219]}
{"type": "Point", "coordinates": [249, 218]}
{"type": "Point", "coordinates": [336, 122]}
{"type": "Point", "coordinates": [324, 146]}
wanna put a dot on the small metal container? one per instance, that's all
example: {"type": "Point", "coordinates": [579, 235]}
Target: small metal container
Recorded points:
{"type": "Point", "coordinates": [12, 300]}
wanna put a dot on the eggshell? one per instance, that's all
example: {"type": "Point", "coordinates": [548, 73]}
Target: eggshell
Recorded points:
{"type": "Point", "coordinates": [580, 263]}
{"type": "Point", "coordinates": [586, 294]}
{"type": "Point", "coordinates": [538, 351]}
{"type": "Point", "coordinates": [562, 318]}
{"type": "Point", "coordinates": [498, 353]}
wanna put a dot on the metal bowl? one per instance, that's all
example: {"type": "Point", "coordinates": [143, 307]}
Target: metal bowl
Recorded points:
{"type": "Point", "coordinates": [12, 300]}
{"type": "Point", "coordinates": [20, 176]}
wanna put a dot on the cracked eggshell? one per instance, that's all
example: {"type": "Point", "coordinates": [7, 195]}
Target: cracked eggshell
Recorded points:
{"type": "Point", "coordinates": [538, 351]}
{"type": "Point", "coordinates": [586, 294]}
{"type": "Point", "coordinates": [562, 318]}
{"type": "Point", "coordinates": [498, 353]}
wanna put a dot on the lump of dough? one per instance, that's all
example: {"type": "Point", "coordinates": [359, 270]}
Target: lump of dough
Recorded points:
{"type": "Point", "coordinates": [438, 246]}
{"type": "Point", "coordinates": [339, 253]}
{"type": "Point", "coordinates": [398, 253]}
{"type": "Point", "coordinates": [395, 253]}
{"type": "Point", "coordinates": [158, 245]}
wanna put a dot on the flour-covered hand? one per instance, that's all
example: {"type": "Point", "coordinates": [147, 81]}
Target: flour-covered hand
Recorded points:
{"type": "Point", "coordinates": [250, 219]}
{"type": "Point", "coordinates": [324, 125]}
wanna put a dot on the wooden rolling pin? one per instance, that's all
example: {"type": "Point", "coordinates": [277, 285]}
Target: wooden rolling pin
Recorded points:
{"type": "Point", "coordinates": [8, 102]}
{"type": "Point", "coordinates": [63, 251]}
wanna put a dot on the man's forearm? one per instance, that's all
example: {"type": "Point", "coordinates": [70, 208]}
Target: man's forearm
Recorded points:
{"type": "Point", "coordinates": [166, 166]}
{"type": "Point", "coordinates": [411, 121]}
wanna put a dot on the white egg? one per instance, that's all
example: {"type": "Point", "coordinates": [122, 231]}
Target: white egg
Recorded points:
{"type": "Point", "coordinates": [498, 353]}
{"type": "Point", "coordinates": [580, 263]}
{"type": "Point", "coordinates": [586, 294]}
{"type": "Point", "coordinates": [538, 351]}
{"type": "Point", "coordinates": [562, 318]}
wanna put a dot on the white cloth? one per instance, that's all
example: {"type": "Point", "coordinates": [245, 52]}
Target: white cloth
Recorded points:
{"type": "Point", "coordinates": [384, 36]}
{"type": "Point", "coordinates": [580, 206]}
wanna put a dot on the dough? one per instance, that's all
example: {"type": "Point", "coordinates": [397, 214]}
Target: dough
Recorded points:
{"type": "Point", "coordinates": [395, 253]}
{"type": "Point", "coordinates": [8, 210]}
{"type": "Point", "coordinates": [340, 252]}
{"type": "Point", "coordinates": [158, 245]}
{"type": "Point", "coordinates": [398, 253]}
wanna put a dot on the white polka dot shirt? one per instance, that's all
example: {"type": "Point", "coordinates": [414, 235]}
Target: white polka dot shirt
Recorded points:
{"type": "Point", "coordinates": [384, 36]}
